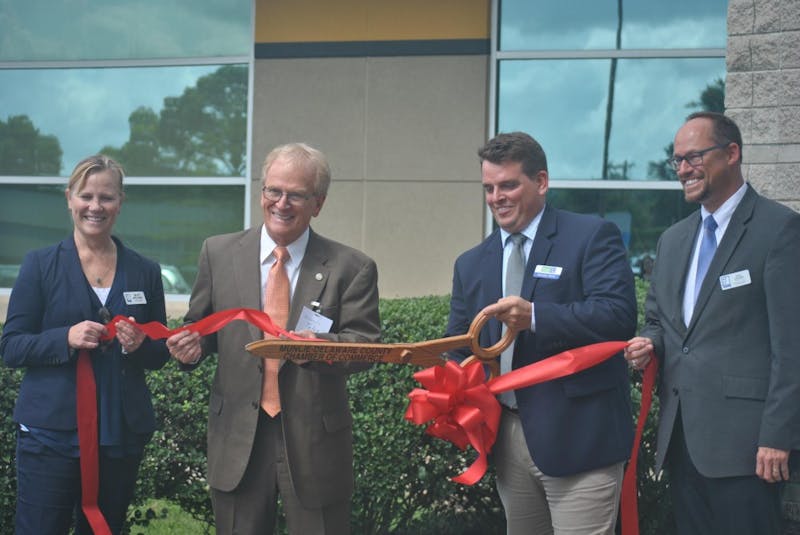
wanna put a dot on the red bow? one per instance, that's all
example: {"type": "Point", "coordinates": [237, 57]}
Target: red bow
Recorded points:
{"type": "Point", "coordinates": [464, 409]}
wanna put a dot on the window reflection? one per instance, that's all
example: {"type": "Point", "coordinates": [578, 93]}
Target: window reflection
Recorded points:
{"type": "Point", "coordinates": [35, 30]}
{"type": "Point", "coordinates": [564, 104]}
{"type": "Point", "coordinates": [159, 121]}
{"type": "Point", "coordinates": [593, 24]}
{"type": "Point", "coordinates": [642, 215]}
{"type": "Point", "coordinates": [165, 223]}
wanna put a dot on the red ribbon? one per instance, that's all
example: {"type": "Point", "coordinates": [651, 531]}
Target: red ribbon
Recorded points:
{"type": "Point", "coordinates": [465, 411]}
{"type": "Point", "coordinates": [86, 405]}
{"type": "Point", "coordinates": [86, 395]}
{"type": "Point", "coordinates": [629, 502]}
{"type": "Point", "coordinates": [208, 325]}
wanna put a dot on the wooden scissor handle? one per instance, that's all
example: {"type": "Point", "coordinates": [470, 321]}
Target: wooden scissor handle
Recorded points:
{"type": "Point", "coordinates": [488, 353]}
{"type": "Point", "coordinates": [494, 365]}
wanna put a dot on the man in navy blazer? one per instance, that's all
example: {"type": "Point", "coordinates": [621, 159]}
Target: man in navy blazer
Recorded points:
{"type": "Point", "coordinates": [562, 445]}
{"type": "Point", "coordinates": [730, 357]}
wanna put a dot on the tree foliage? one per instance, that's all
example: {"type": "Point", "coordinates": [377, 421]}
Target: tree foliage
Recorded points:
{"type": "Point", "coordinates": [202, 132]}
{"type": "Point", "coordinates": [25, 151]}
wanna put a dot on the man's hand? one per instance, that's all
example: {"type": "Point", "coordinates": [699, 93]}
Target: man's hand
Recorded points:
{"type": "Point", "coordinates": [513, 310]}
{"type": "Point", "coordinates": [185, 347]}
{"type": "Point", "coordinates": [772, 465]}
{"type": "Point", "coordinates": [639, 352]}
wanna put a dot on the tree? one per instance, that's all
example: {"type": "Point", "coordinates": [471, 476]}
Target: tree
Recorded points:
{"type": "Point", "coordinates": [200, 133]}
{"type": "Point", "coordinates": [24, 151]}
{"type": "Point", "coordinates": [712, 98]}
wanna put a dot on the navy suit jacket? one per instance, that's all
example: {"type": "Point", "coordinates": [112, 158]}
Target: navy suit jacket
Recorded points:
{"type": "Point", "coordinates": [51, 295]}
{"type": "Point", "coordinates": [581, 422]}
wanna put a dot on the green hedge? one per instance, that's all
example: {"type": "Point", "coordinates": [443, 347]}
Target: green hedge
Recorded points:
{"type": "Point", "coordinates": [402, 474]}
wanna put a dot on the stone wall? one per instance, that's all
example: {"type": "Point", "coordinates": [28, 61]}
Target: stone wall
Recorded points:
{"type": "Point", "coordinates": [763, 93]}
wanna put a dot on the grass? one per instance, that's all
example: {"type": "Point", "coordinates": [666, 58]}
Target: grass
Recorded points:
{"type": "Point", "coordinates": [171, 520]}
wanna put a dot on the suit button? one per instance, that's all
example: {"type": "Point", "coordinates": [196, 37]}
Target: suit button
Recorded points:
{"type": "Point", "coordinates": [675, 391]}
{"type": "Point", "coordinates": [254, 404]}
{"type": "Point", "coordinates": [685, 350]}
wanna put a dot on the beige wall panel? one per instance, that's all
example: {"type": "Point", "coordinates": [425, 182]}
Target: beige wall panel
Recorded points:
{"type": "Point", "coordinates": [318, 101]}
{"type": "Point", "coordinates": [342, 216]}
{"type": "Point", "coordinates": [426, 117]}
{"type": "Point", "coordinates": [416, 230]}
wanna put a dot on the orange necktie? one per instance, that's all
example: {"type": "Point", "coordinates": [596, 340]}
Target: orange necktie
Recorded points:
{"type": "Point", "coordinates": [276, 304]}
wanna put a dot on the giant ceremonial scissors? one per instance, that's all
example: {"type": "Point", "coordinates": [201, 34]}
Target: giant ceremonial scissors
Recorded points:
{"type": "Point", "coordinates": [428, 353]}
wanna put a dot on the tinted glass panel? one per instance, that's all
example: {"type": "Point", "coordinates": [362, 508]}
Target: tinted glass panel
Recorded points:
{"type": "Point", "coordinates": [564, 104]}
{"type": "Point", "coordinates": [165, 223]}
{"type": "Point", "coordinates": [121, 29]}
{"type": "Point", "coordinates": [160, 121]}
{"type": "Point", "coordinates": [642, 215]}
{"type": "Point", "coordinates": [595, 24]}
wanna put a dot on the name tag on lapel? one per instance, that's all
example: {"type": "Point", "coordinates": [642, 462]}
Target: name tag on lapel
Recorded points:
{"type": "Point", "coordinates": [134, 298]}
{"type": "Point", "coordinates": [313, 321]}
{"type": "Point", "coordinates": [734, 280]}
{"type": "Point", "coordinates": [547, 272]}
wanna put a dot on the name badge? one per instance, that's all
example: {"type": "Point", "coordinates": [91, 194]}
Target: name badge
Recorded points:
{"type": "Point", "coordinates": [547, 272]}
{"type": "Point", "coordinates": [313, 321]}
{"type": "Point", "coordinates": [134, 298]}
{"type": "Point", "coordinates": [734, 280]}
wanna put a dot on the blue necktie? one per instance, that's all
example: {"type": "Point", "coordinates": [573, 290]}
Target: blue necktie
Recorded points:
{"type": "Point", "coordinates": [515, 269]}
{"type": "Point", "coordinates": [708, 246]}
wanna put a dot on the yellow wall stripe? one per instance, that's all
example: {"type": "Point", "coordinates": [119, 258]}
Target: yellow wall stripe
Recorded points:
{"type": "Point", "coordinates": [303, 21]}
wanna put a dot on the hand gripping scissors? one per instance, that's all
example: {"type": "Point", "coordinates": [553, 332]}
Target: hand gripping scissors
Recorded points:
{"type": "Point", "coordinates": [428, 353]}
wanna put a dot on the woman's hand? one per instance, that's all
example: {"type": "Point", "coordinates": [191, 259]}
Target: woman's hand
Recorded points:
{"type": "Point", "coordinates": [130, 337]}
{"type": "Point", "coordinates": [86, 335]}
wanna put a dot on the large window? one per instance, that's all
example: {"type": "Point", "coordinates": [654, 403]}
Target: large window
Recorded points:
{"type": "Point", "coordinates": [603, 85]}
{"type": "Point", "coordinates": [160, 87]}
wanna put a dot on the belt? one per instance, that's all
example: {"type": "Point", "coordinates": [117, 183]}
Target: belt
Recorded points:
{"type": "Point", "coordinates": [512, 410]}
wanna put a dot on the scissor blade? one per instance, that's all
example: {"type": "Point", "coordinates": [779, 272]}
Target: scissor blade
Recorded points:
{"type": "Point", "coordinates": [341, 351]}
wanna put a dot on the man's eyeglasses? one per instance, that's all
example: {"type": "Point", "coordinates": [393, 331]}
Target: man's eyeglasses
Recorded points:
{"type": "Point", "coordinates": [694, 159]}
{"type": "Point", "coordinates": [292, 197]}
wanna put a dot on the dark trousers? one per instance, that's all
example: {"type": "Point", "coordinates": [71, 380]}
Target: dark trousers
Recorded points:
{"type": "Point", "coordinates": [49, 490]}
{"type": "Point", "coordinates": [251, 508]}
{"type": "Point", "coordinates": [745, 505]}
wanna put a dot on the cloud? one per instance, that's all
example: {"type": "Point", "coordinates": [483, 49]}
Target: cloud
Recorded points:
{"type": "Point", "coordinates": [89, 108]}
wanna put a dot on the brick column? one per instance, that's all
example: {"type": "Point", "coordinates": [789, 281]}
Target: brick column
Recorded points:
{"type": "Point", "coordinates": [762, 93]}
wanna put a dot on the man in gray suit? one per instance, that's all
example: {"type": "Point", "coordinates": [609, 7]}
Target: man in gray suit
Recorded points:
{"type": "Point", "coordinates": [728, 342]}
{"type": "Point", "coordinates": [304, 452]}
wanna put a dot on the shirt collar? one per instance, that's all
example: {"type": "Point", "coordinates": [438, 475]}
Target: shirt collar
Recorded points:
{"type": "Point", "coordinates": [529, 231]}
{"type": "Point", "coordinates": [296, 249]}
{"type": "Point", "coordinates": [724, 213]}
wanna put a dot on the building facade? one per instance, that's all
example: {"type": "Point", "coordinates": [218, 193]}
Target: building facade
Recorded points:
{"type": "Point", "coordinates": [190, 97]}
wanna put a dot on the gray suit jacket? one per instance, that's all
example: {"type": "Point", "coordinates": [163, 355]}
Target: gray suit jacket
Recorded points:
{"type": "Point", "coordinates": [316, 419]}
{"type": "Point", "coordinates": [735, 370]}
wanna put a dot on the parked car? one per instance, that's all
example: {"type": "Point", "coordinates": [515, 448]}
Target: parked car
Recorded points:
{"type": "Point", "coordinates": [171, 277]}
{"type": "Point", "coordinates": [173, 280]}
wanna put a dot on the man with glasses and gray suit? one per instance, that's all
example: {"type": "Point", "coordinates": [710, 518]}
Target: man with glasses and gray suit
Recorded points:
{"type": "Point", "coordinates": [722, 318]}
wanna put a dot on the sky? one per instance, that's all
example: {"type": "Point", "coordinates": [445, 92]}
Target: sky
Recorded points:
{"type": "Point", "coordinates": [89, 108]}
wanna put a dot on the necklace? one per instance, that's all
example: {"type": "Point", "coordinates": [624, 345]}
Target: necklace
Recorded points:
{"type": "Point", "coordinates": [99, 268]}
{"type": "Point", "coordinates": [99, 279]}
